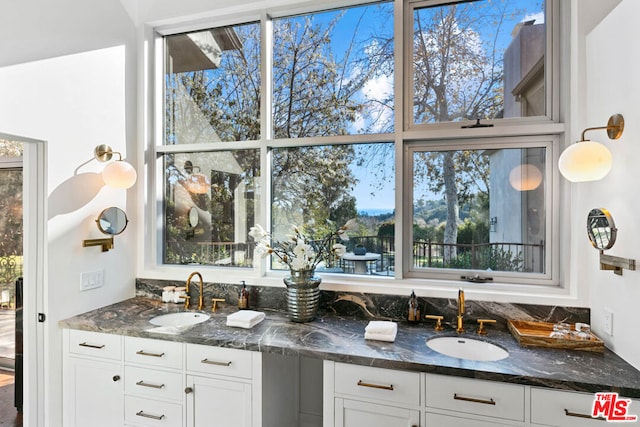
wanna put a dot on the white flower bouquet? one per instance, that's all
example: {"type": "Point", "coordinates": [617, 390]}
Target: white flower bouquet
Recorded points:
{"type": "Point", "coordinates": [297, 251]}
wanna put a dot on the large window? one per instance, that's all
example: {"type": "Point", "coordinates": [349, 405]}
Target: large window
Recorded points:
{"type": "Point", "coordinates": [306, 132]}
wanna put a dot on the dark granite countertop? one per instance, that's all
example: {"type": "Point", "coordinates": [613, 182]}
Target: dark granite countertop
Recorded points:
{"type": "Point", "coordinates": [340, 339]}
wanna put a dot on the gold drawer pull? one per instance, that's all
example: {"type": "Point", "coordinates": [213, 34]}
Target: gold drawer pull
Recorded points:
{"type": "Point", "coordinates": [153, 417]}
{"type": "Point", "coordinates": [213, 362]}
{"type": "Point", "coordinates": [143, 384]}
{"type": "Point", "coordinates": [144, 353]}
{"type": "Point", "coordinates": [381, 387]}
{"type": "Point", "coordinates": [569, 413]}
{"type": "Point", "coordinates": [474, 400]}
{"type": "Point", "coordinates": [98, 346]}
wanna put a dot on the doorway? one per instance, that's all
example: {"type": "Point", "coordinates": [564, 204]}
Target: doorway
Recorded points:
{"type": "Point", "coordinates": [11, 265]}
{"type": "Point", "coordinates": [31, 164]}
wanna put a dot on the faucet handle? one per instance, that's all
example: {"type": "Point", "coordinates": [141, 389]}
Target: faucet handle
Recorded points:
{"type": "Point", "coordinates": [481, 322]}
{"type": "Point", "coordinates": [186, 299]}
{"type": "Point", "coordinates": [438, 319]}
{"type": "Point", "coordinates": [215, 302]}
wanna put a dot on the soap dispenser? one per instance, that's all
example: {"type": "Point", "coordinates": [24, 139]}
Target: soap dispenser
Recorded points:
{"type": "Point", "coordinates": [413, 309]}
{"type": "Point", "coordinates": [243, 297]}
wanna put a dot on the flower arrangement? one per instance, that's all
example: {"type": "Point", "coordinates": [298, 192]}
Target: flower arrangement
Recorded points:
{"type": "Point", "coordinates": [298, 252]}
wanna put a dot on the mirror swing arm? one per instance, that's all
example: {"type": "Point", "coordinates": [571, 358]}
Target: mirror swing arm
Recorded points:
{"type": "Point", "coordinates": [616, 264]}
{"type": "Point", "coordinates": [106, 243]}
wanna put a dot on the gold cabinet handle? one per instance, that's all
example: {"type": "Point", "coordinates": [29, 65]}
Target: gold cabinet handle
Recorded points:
{"type": "Point", "coordinates": [143, 384]}
{"type": "Point", "coordinates": [569, 413]}
{"type": "Point", "coordinates": [144, 353]}
{"type": "Point", "coordinates": [456, 396]}
{"type": "Point", "coordinates": [153, 417]}
{"type": "Point", "coordinates": [213, 362]}
{"type": "Point", "coordinates": [378, 386]}
{"type": "Point", "coordinates": [98, 346]}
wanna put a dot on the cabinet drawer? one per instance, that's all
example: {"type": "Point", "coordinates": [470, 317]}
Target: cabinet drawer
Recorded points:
{"type": "Point", "coordinates": [567, 408]}
{"type": "Point", "coordinates": [448, 421]}
{"type": "Point", "coordinates": [376, 383]}
{"type": "Point", "coordinates": [95, 344]}
{"type": "Point", "coordinates": [219, 361]}
{"type": "Point", "coordinates": [145, 351]}
{"type": "Point", "coordinates": [147, 412]}
{"type": "Point", "coordinates": [145, 382]}
{"type": "Point", "coordinates": [473, 396]}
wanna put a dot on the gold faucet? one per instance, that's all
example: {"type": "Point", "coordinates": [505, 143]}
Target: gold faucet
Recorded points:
{"type": "Point", "coordinates": [200, 295]}
{"type": "Point", "coordinates": [459, 327]}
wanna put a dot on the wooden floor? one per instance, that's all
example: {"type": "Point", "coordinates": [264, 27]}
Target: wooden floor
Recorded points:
{"type": "Point", "coordinates": [9, 416]}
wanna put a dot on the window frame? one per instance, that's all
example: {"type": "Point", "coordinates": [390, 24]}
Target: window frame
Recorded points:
{"type": "Point", "coordinates": [551, 276]}
{"type": "Point", "coordinates": [551, 79]}
{"type": "Point", "coordinates": [550, 126]}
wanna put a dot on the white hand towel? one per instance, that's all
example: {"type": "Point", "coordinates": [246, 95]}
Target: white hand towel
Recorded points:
{"type": "Point", "coordinates": [246, 319]}
{"type": "Point", "coordinates": [381, 330]}
{"type": "Point", "coordinates": [382, 327]}
{"type": "Point", "coordinates": [379, 337]}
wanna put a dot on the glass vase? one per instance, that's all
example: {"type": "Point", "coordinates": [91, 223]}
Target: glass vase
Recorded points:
{"type": "Point", "coordinates": [303, 295]}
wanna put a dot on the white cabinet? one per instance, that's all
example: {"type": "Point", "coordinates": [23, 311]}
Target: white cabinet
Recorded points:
{"type": "Point", "coordinates": [567, 408]}
{"type": "Point", "coordinates": [223, 403]}
{"type": "Point", "coordinates": [224, 387]}
{"type": "Point", "coordinates": [353, 413]}
{"type": "Point", "coordinates": [485, 401]}
{"type": "Point", "coordinates": [154, 382]}
{"type": "Point", "coordinates": [93, 387]}
{"type": "Point", "coordinates": [111, 381]}
{"type": "Point", "coordinates": [356, 395]}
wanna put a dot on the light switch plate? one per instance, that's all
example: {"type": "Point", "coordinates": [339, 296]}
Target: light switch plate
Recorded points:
{"type": "Point", "coordinates": [91, 280]}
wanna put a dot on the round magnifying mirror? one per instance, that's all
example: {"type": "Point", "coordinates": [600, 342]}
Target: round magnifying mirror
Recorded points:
{"type": "Point", "coordinates": [601, 229]}
{"type": "Point", "coordinates": [193, 217]}
{"type": "Point", "coordinates": [112, 221]}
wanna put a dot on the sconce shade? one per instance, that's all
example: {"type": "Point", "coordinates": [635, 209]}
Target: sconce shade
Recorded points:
{"type": "Point", "coordinates": [119, 174]}
{"type": "Point", "coordinates": [525, 177]}
{"type": "Point", "coordinates": [585, 161]}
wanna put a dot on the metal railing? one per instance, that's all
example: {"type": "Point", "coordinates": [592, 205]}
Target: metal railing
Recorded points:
{"type": "Point", "coordinates": [497, 256]}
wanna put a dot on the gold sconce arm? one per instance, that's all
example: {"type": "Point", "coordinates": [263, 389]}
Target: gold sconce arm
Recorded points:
{"type": "Point", "coordinates": [106, 243]}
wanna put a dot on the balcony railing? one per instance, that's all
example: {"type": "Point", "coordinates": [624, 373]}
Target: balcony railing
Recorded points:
{"type": "Point", "coordinates": [496, 256]}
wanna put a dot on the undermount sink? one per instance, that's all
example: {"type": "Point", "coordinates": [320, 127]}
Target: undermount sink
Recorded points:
{"type": "Point", "coordinates": [184, 318]}
{"type": "Point", "coordinates": [467, 348]}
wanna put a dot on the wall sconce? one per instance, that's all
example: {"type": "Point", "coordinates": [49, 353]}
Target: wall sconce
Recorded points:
{"type": "Point", "coordinates": [117, 174]}
{"type": "Point", "coordinates": [493, 222]}
{"type": "Point", "coordinates": [196, 182]}
{"type": "Point", "coordinates": [590, 160]}
{"type": "Point", "coordinates": [525, 177]}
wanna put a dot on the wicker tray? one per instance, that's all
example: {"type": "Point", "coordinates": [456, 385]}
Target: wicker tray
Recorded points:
{"type": "Point", "coordinates": [536, 334]}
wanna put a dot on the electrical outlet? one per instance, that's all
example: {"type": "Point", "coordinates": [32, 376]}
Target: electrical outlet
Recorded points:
{"type": "Point", "coordinates": [607, 322]}
{"type": "Point", "coordinates": [91, 280]}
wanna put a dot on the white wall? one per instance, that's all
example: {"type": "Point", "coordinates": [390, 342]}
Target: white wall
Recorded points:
{"type": "Point", "coordinates": [67, 76]}
{"type": "Point", "coordinates": [612, 87]}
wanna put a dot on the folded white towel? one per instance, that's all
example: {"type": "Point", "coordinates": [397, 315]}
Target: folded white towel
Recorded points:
{"type": "Point", "coordinates": [246, 319]}
{"type": "Point", "coordinates": [379, 337]}
{"type": "Point", "coordinates": [382, 327]}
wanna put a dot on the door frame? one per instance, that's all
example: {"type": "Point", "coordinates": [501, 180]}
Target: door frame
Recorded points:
{"type": "Point", "coordinates": [34, 174]}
